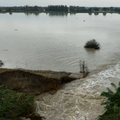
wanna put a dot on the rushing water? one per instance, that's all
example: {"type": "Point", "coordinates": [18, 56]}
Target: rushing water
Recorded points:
{"type": "Point", "coordinates": [80, 99]}
{"type": "Point", "coordinates": [55, 41]}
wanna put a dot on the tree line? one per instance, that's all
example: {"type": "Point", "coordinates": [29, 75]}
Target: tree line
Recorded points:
{"type": "Point", "coordinates": [59, 8]}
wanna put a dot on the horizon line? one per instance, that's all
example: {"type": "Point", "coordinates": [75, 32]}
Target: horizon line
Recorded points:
{"type": "Point", "coordinates": [56, 5]}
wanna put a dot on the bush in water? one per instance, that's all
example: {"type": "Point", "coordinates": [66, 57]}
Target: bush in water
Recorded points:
{"type": "Point", "coordinates": [92, 44]}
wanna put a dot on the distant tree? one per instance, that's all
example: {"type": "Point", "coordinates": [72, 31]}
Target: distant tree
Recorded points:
{"type": "Point", "coordinates": [9, 9]}
{"type": "Point", "coordinates": [96, 9]}
{"type": "Point", "coordinates": [35, 8]}
{"type": "Point", "coordinates": [117, 9]}
{"type": "Point", "coordinates": [111, 8]}
{"type": "Point", "coordinates": [104, 9]}
{"type": "Point", "coordinates": [90, 9]}
{"type": "Point", "coordinates": [57, 8]}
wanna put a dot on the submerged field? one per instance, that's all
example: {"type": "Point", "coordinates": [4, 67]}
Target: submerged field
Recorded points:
{"type": "Point", "coordinates": [56, 42]}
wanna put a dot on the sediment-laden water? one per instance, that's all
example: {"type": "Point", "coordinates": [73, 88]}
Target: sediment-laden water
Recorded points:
{"type": "Point", "coordinates": [56, 41]}
{"type": "Point", "coordinates": [80, 99]}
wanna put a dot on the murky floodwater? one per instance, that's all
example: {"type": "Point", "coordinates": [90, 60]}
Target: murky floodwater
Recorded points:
{"type": "Point", "coordinates": [80, 99]}
{"type": "Point", "coordinates": [55, 41]}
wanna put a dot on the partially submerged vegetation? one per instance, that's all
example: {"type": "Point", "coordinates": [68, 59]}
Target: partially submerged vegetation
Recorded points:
{"type": "Point", "coordinates": [112, 105]}
{"type": "Point", "coordinates": [15, 105]}
{"type": "Point", "coordinates": [92, 44]}
{"type": "Point", "coordinates": [83, 67]}
{"type": "Point", "coordinates": [1, 63]}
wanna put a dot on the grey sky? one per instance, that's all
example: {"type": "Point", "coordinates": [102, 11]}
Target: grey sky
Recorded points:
{"type": "Point", "coordinates": [88, 3]}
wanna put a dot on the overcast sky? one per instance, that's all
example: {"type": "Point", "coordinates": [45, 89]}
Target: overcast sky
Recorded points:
{"type": "Point", "coordinates": [105, 3]}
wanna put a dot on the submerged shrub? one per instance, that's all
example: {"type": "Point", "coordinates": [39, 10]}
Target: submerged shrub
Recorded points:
{"type": "Point", "coordinates": [92, 44]}
{"type": "Point", "coordinates": [14, 105]}
{"type": "Point", "coordinates": [112, 105]}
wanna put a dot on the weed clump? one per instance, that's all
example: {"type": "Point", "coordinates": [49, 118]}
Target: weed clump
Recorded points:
{"type": "Point", "coordinates": [112, 105]}
{"type": "Point", "coordinates": [92, 44]}
{"type": "Point", "coordinates": [14, 105]}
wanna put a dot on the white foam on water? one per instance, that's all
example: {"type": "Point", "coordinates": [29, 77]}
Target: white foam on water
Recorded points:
{"type": "Point", "coordinates": [78, 100]}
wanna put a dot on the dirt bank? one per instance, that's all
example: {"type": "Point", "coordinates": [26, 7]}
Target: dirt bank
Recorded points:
{"type": "Point", "coordinates": [33, 82]}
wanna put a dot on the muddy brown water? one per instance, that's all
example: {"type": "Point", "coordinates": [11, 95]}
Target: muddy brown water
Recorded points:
{"type": "Point", "coordinates": [80, 99]}
{"type": "Point", "coordinates": [56, 42]}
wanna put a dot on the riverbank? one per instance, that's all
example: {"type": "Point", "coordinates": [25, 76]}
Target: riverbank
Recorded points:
{"type": "Point", "coordinates": [36, 82]}
{"type": "Point", "coordinates": [30, 82]}
{"type": "Point", "coordinates": [47, 73]}
{"type": "Point", "coordinates": [79, 99]}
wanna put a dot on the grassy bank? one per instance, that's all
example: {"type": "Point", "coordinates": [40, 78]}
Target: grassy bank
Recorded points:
{"type": "Point", "coordinates": [112, 104]}
{"type": "Point", "coordinates": [15, 105]}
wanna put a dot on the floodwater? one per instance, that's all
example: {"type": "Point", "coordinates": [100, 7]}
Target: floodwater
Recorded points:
{"type": "Point", "coordinates": [80, 99]}
{"type": "Point", "coordinates": [56, 41]}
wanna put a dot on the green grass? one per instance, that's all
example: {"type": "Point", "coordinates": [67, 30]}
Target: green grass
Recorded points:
{"type": "Point", "coordinates": [112, 105]}
{"type": "Point", "coordinates": [14, 105]}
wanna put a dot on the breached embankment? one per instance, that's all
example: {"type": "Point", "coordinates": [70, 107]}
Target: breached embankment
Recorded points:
{"type": "Point", "coordinates": [33, 82]}
{"type": "Point", "coordinates": [78, 100]}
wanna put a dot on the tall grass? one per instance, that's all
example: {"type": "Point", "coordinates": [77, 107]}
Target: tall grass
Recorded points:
{"type": "Point", "coordinates": [14, 105]}
{"type": "Point", "coordinates": [112, 105]}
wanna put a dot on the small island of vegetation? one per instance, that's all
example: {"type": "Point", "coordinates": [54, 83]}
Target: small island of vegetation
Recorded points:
{"type": "Point", "coordinates": [92, 44]}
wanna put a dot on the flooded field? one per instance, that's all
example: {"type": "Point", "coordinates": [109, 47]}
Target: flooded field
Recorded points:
{"type": "Point", "coordinates": [56, 42]}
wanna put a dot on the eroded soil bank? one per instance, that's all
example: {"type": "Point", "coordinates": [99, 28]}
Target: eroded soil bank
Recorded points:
{"type": "Point", "coordinates": [35, 82]}
{"type": "Point", "coordinates": [77, 100]}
